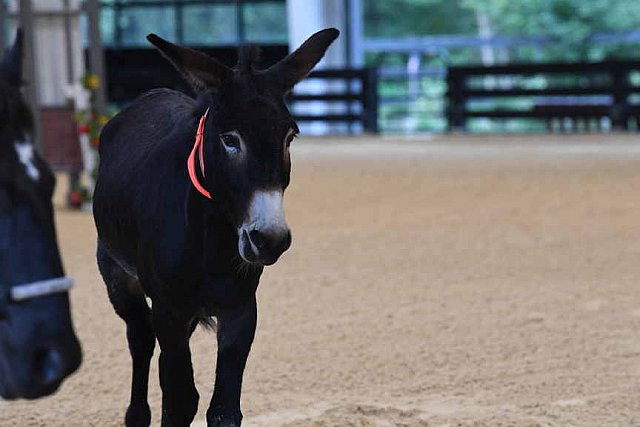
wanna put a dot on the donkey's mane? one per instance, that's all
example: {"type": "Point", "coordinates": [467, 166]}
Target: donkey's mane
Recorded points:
{"type": "Point", "coordinates": [248, 58]}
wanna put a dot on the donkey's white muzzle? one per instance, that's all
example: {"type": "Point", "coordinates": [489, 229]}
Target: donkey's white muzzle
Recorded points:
{"type": "Point", "coordinates": [265, 234]}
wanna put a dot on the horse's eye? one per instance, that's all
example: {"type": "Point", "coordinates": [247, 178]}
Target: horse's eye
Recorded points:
{"type": "Point", "coordinates": [230, 140]}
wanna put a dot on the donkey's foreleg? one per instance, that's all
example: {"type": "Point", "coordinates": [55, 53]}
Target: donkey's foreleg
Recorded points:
{"type": "Point", "coordinates": [179, 394]}
{"type": "Point", "coordinates": [236, 329]}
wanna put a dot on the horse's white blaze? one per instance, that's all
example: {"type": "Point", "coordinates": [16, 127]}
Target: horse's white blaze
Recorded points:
{"type": "Point", "coordinates": [25, 153]}
{"type": "Point", "coordinates": [266, 210]}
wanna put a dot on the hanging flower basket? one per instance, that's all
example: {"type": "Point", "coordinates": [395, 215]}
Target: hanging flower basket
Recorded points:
{"type": "Point", "coordinates": [90, 123]}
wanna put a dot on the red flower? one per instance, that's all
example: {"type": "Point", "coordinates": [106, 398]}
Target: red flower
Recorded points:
{"type": "Point", "coordinates": [75, 198]}
{"type": "Point", "coordinates": [83, 129]}
{"type": "Point", "coordinates": [95, 142]}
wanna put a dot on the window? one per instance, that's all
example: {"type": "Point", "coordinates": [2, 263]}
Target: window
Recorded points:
{"type": "Point", "coordinates": [193, 22]}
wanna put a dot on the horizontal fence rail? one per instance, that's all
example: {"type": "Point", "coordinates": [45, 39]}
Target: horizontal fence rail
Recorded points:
{"type": "Point", "coordinates": [344, 87]}
{"type": "Point", "coordinates": [567, 93]}
{"type": "Point", "coordinates": [335, 96]}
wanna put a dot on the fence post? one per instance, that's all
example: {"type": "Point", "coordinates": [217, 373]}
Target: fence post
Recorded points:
{"type": "Point", "coordinates": [370, 102]}
{"type": "Point", "coordinates": [456, 119]}
{"type": "Point", "coordinates": [619, 112]}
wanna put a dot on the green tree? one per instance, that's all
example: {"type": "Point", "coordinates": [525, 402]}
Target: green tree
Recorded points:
{"type": "Point", "coordinates": [401, 18]}
{"type": "Point", "coordinates": [571, 21]}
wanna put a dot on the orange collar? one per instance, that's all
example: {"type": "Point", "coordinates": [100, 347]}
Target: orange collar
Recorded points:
{"type": "Point", "coordinates": [198, 146]}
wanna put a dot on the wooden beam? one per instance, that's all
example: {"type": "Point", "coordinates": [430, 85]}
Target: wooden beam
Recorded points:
{"type": "Point", "coordinates": [29, 72]}
{"type": "Point", "coordinates": [3, 24]}
{"type": "Point", "coordinates": [96, 54]}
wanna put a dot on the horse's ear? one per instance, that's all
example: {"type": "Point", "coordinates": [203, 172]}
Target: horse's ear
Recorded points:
{"type": "Point", "coordinates": [11, 65]}
{"type": "Point", "coordinates": [200, 70]}
{"type": "Point", "coordinates": [298, 64]}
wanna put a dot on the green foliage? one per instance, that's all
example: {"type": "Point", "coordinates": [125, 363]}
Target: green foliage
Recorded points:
{"type": "Point", "coordinates": [266, 22]}
{"type": "Point", "coordinates": [571, 24]}
{"type": "Point", "coordinates": [401, 18]}
{"type": "Point", "coordinates": [571, 21]}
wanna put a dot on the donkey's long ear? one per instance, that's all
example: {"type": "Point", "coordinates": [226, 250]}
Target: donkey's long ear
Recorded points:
{"type": "Point", "coordinates": [200, 70]}
{"type": "Point", "coordinates": [11, 65]}
{"type": "Point", "coordinates": [298, 64]}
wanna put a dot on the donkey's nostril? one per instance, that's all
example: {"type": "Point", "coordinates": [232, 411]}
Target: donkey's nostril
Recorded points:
{"type": "Point", "coordinates": [48, 366]}
{"type": "Point", "coordinates": [257, 239]}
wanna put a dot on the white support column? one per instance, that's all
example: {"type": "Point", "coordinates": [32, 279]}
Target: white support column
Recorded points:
{"type": "Point", "coordinates": [306, 17]}
{"type": "Point", "coordinates": [355, 37]}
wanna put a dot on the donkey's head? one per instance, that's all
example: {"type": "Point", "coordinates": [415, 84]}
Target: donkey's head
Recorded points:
{"type": "Point", "coordinates": [247, 135]}
{"type": "Point", "coordinates": [38, 347]}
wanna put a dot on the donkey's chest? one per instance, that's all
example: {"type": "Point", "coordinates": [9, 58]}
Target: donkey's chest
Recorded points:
{"type": "Point", "coordinates": [223, 291]}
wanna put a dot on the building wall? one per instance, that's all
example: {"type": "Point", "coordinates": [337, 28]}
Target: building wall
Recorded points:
{"type": "Point", "coordinates": [56, 134]}
{"type": "Point", "coordinates": [51, 68]}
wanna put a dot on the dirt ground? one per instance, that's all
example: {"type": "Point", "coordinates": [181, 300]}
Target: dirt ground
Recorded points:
{"type": "Point", "coordinates": [432, 282]}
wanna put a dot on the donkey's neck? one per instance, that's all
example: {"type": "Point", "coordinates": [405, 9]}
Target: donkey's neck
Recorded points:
{"type": "Point", "coordinates": [216, 239]}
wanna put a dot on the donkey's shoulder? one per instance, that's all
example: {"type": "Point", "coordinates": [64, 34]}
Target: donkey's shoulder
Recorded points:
{"type": "Point", "coordinates": [152, 117]}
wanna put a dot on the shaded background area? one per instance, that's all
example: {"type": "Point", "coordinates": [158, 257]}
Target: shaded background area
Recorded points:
{"type": "Point", "coordinates": [410, 43]}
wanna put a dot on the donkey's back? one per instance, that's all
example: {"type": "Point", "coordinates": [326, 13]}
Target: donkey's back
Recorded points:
{"type": "Point", "coordinates": [152, 123]}
{"type": "Point", "coordinates": [142, 178]}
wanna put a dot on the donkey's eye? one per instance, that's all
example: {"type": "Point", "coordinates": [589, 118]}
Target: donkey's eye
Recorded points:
{"type": "Point", "coordinates": [289, 139]}
{"type": "Point", "coordinates": [230, 140]}
{"type": "Point", "coordinates": [290, 136]}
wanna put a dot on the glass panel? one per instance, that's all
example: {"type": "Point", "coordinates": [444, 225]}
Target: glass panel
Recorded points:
{"type": "Point", "coordinates": [135, 23]}
{"type": "Point", "coordinates": [207, 25]}
{"type": "Point", "coordinates": [266, 22]}
{"type": "Point", "coordinates": [107, 25]}
{"type": "Point", "coordinates": [198, 23]}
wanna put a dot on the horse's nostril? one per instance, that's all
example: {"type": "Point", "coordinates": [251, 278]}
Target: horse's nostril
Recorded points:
{"type": "Point", "coordinates": [48, 366]}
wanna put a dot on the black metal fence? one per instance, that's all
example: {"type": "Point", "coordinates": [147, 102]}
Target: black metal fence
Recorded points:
{"type": "Point", "coordinates": [356, 96]}
{"type": "Point", "coordinates": [133, 71]}
{"type": "Point", "coordinates": [566, 96]}
{"type": "Point", "coordinates": [347, 96]}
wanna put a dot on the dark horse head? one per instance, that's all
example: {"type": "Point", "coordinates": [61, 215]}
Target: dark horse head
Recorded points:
{"type": "Point", "coordinates": [247, 137]}
{"type": "Point", "coordinates": [38, 347]}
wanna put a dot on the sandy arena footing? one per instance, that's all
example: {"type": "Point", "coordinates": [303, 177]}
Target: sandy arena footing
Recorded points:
{"type": "Point", "coordinates": [432, 282]}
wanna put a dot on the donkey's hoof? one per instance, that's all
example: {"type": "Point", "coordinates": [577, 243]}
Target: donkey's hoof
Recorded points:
{"type": "Point", "coordinates": [138, 416]}
{"type": "Point", "coordinates": [224, 420]}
